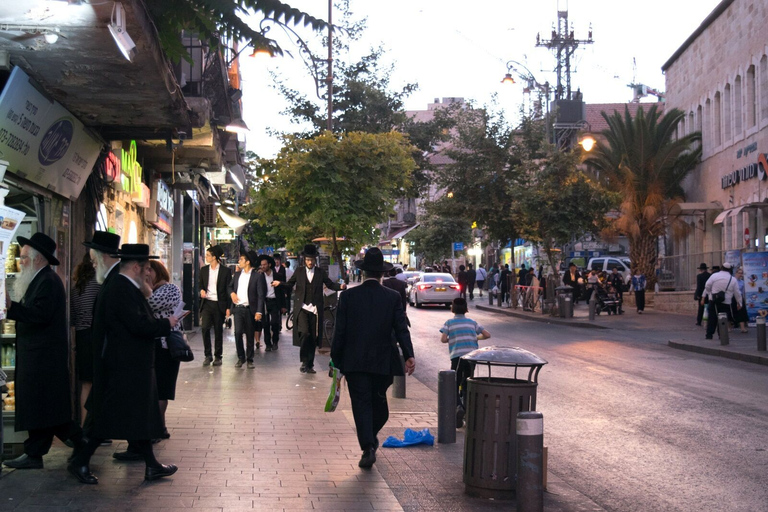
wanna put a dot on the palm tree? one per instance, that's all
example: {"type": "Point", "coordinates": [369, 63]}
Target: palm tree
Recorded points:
{"type": "Point", "coordinates": [645, 160]}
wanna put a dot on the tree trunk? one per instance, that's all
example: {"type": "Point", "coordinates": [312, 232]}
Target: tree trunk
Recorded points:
{"type": "Point", "coordinates": [643, 253]}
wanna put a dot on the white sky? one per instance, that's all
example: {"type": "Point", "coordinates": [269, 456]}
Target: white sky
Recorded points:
{"type": "Point", "coordinates": [459, 49]}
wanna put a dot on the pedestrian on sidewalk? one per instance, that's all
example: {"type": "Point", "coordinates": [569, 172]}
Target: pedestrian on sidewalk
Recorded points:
{"type": "Point", "coordinates": [84, 292]}
{"type": "Point", "coordinates": [701, 281]}
{"type": "Point", "coordinates": [461, 335]}
{"type": "Point", "coordinates": [462, 279]}
{"type": "Point", "coordinates": [214, 307]}
{"type": "Point", "coordinates": [740, 317]}
{"type": "Point", "coordinates": [480, 276]}
{"type": "Point", "coordinates": [471, 277]}
{"type": "Point", "coordinates": [616, 281]}
{"type": "Point", "coordinates": [272, 302]}
{"type": "Point", "coordinates": [637, 286]}
{"type": "Point", "coordinates": [721, 288]}
{"type": "Point", "coordinates": [247, 291]}
{"type": "Point", "coordinates": [369, 320]}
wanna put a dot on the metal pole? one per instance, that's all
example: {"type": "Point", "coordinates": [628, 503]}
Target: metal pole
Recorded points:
{"type": "Point", "coordinates": [568, 303]}
{"type": "Point", "coordinates": [592, 307]}
{"type": "Point", "coordinates": [446, 406]}
{"type": "Point", "coordinates": [398, 382]}
{"type": "Point", "coordinates": [530, 462]}
{"type": "Point", "coordinates": [722, 328]}
{"type": "Point", "coordinates": [760, 333]}
{"type": "Point", "coordinates": [329, 79]}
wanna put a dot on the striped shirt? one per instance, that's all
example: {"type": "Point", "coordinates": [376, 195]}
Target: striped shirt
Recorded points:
{"type": "Point", "coordinates": [81, 305]}
{"type": "Point", "coordinates": [462, 335]}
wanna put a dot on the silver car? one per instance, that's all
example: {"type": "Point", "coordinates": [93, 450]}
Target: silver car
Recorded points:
{"type": "Point", "coordinates": [434, 288]}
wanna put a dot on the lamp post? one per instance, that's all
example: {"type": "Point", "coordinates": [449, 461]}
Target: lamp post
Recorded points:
{"type": "Point", "coordinates": [525, 74]}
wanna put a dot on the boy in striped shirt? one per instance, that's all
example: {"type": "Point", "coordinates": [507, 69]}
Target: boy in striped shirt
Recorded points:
{"type": "Point", "coordinates": [461, 335]}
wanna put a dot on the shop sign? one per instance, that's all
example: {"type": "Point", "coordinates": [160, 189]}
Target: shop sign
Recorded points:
{"type": "Point", "coordinates": [164, 198]}
{"type": "Point", "coordinates": [42, 141]}
{"type": "Point", "coordinates": [753, 170]}
{"type": "Point", "coordinates": [141, 198]}
{"type": "Point", "coordinates": [224, 234]}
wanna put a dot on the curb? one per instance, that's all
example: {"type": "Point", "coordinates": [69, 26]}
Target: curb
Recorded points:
{"type": "Point", "coordinates": [545, 319]}
{"type": "Point", "coordinates": [711, 351]}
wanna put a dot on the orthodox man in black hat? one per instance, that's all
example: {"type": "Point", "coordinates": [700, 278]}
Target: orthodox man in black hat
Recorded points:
{"type": "Point", "coordinates": [273, 302]}
{"type": "Point", "coordinates": [214, 285]}
{"type": "Point", "coordinates": [128, 406]}
{"type": "Point", "coordinates": [369, 319]}
{"type": "Point", "coordinates": [308, 305]}
{"type": "Point", "coordinates": [42, 373]}
{"type": "Point", "coordinates": [701, 282]}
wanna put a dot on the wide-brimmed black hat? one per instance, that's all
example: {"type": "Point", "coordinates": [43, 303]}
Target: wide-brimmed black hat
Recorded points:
{"type": "Point", "coordinates": [43, 244]}
{"type": "Point", "coordinates": [253, 257]}
{"type": "Point", "coordinates": [310, 251]}
{"type": "Point", "coordinates": [134, 252]}
{"type": "Point", "coordinates": [374, 261]}
{"type": "Point", "coordinates": [104, 241]}
{"type": "Point", "coordinates": [703, 266]}
{"type": "Point", "coordinates": [216, 250]}
{"type": "Point", "coordinates": [270, 260]}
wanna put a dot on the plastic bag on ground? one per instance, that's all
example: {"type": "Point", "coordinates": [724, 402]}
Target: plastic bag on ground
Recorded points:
{"type": "Point", "coordinates": [411, 437]}
{"type": "Point", "coordinates": [335, 393]}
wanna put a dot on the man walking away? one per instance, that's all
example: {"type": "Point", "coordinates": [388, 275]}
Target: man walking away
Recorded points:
{"type": "Point", "coordinates": [701, 281]}
{"type": "Point", "coordinates": [369, 321]}
{"type": "Point", "coordinates": [480, 276]}
{"type": "Point", "coordinates": [471, 277]}
{"type": "Point", "coordinates": [721, 287]}
{"type": "Point", "coordinates": [461, 278]}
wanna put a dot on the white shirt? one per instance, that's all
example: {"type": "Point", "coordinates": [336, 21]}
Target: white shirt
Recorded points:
{"type": "Point", "coordinates": [718, 283]}
{"type": "Point", "coordinates": [213, 277]}
{"type": "Point", "coordinates": [310, 274]}
{"type": "Point", "coordinates": [270, 290]}
{"type": "Point", "coordinates": [288, 273]}
{"type": "Point", "coordinates": [242, 287]}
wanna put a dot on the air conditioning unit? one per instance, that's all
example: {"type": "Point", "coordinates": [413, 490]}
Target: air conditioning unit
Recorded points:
{"type": "Point", "coordinates": [210, 212]}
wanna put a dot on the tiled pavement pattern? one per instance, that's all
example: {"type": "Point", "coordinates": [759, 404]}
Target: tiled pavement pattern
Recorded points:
{"type": "Point", "coordinates": [259, 440]}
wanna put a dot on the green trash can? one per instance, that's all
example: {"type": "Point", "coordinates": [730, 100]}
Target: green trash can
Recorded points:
{"type": "Point", "coordinates": [490, 440]}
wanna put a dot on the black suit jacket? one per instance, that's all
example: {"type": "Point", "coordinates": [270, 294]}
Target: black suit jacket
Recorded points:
{"type": "Point", "coordinates": [222, 285]}
{"type": "Point", "coordinates": [367, 319]}
{"type": "Point", "coordinates": [279, 275]}
{"type": "Point", "coordinates": [257, 290]}
{"type": "Point", "coordinates": [300, 281]}
{"type": "Point", "coordinates": [399, 286]}
{"type": "Point", "coordinates": [571, 282]}
{"type": "Point", "coordinates": [701, 281]}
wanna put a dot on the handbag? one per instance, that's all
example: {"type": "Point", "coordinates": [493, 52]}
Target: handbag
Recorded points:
{"type": "Point", "coordinates": [179, 348]}
{"type": "Point", "coordinates": [720, 296]}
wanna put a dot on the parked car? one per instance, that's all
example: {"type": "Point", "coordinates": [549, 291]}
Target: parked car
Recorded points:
{"type": "Point", "coordinates": [434, 288]}
{"type": "Point", "coordinates": [608, 263]}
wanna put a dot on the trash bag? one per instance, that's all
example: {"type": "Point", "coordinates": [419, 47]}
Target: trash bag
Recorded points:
{"type": "Point", "coordinates": [335, 394]}
{"type": "Point", "coordinates": [411, 438]}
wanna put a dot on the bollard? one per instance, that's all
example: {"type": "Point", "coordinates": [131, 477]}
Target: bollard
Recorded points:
{"type": "Point", "coordinates": [760, 333]}
{"type": "Point", "coordinates": [500, 296]}
{"type": "Point", "coordinates": [446, 406]}
{"type": "Point", "coordinates": [529, 494]}
{"type": "Point", "coordinates": [561, 305]}
{"type": "Point", "coordinates": [592, 307]}
{"type": "Point", "coordinates": [398, 383]}
{"type": "Point", "coordinates": [722, 328]}
{"type": "Point", "coordinates": [490, 298]}
{"type": "Point", "coordinates": [568, 303]}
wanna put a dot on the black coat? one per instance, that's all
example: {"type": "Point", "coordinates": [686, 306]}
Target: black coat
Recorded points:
{"type": "Point", "coordinates": [399, 286]}
{"type": "Point", "coordinates": [128, 407]}
{"type": "Point", "coordinates": [222, 285]}
{"type": "Point", "coordinates": [300, 281]}
{"type": "Point", "coordinates": [367, 319]}
{"type": "Point", "coordinates": [257, 290]}
{"type": "Point", "coordinates": [701, 281]}
{"type": "Point", "coordinates": [42, 374]}
{"type": "Point", "coordinates": [571, 282]}
{"type": "Point", "coordinates": [279, 276]}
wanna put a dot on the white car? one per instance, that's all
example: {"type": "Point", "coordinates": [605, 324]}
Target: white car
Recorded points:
{"type": "Point", "coordinates": [434, 288]}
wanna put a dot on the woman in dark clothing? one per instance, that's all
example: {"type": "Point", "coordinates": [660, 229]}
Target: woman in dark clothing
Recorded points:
{"type": "Point", "coordinates": [81, 317]}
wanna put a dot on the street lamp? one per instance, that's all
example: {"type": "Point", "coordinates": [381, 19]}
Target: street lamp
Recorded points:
{"type": "Point", "coordinates": [525, 74]}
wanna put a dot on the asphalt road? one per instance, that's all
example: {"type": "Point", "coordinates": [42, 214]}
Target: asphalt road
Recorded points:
{"type": "Point", "coordinates": [630, 423]}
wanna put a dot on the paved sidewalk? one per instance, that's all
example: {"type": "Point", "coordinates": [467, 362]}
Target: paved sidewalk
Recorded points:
{"type": "Point", "coordinates": [259, 440]}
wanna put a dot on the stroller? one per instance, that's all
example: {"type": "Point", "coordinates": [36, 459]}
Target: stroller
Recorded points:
{"type": "Point", "coordinates": [607, 299]}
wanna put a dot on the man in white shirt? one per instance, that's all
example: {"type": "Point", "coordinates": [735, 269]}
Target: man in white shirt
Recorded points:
{"type": "Point", "coordinates": [247, 291]}
{"type": "Point", "coordinates": [214, 283]}
{"type": "Point", "coordinates": [272, 304]}
{"type": "Point", "coordinates": [480, 276]}
{"type": "Point", "coordinates": [721, 281]}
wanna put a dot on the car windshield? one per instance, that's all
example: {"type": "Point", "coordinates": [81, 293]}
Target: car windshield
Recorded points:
{"type": "Point", "coordinates": [437, 278]}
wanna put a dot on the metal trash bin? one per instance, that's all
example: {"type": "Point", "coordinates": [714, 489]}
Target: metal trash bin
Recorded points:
{"type": "Point", "coordinates": [563, 292]}
{"type": "Point", "coordinates": [490, 441]}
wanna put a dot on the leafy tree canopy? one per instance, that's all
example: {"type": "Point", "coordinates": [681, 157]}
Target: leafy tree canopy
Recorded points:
{"type": "Point", "coordinates": [434, 237]}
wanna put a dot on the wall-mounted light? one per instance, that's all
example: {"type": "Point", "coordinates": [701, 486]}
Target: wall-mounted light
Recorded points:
{"type": "Point", "coordinates": [119, 33]}
{"type": "Point", "coordinates": [237, 126]}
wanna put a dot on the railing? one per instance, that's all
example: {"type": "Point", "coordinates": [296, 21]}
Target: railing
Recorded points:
{"type": "Point", "coordinates": [678, 273]}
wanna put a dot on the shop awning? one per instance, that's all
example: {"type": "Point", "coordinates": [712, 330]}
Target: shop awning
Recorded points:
{"type": "Point", "coordinates": [732, 212]}
{"type": "Point", "coordinates": [232, 220]}
{"type": "Point", "coordinates": [398, 234]}
{"type": "Point", "coordinates": [683, 208]}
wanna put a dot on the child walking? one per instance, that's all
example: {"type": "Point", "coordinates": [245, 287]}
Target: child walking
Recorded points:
{"type": "Point", "coordinates": [461, 335]}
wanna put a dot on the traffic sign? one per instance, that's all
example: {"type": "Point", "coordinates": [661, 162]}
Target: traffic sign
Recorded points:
{"type": "Point", "coordinates": [458, 246]}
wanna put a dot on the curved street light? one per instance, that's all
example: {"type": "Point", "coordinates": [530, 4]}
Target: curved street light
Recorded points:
{"type": "Point", "coordinates": [525, 74]}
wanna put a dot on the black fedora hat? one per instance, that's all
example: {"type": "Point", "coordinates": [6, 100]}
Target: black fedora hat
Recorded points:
{"type": "Point", "coordinates": [703, 266]}
{"type": "Point", "coordinates": [310, 251]}
{"type": "Point", "coordinates": [374, 261]}
{"type": "Point", "coordinates": [104, 241]}
{"type": "Point", "coordinates": [134, 252]}
{"type": "Point", "coordinates": [253, 258]}
{"type": "Point", "coordinates": [43, 244]}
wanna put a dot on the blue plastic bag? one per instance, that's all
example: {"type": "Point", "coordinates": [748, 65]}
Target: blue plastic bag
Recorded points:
{"type": "Point", "coordinates": [411, 438]}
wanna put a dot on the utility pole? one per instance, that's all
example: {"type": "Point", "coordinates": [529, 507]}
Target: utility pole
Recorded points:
{"type": "Point", "coordinates": [329, 79]}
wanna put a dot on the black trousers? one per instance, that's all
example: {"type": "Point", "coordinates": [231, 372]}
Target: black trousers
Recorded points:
{"type": "Point", "coordinates": [700, 313]}
{"type": "Point", "coordinates": [471, 287]}
{"type": "Point", "coordinates": [306, 323]}
{"type": "Point", "coordinates": [245, 325]}
{"type": "Point", "coordinates": [141, 446]}
{"type": "Point", "coordinates": [714, 309]}
{"type": "Point", "coordinates": [368, 394]}
{"type": "Point", "coordinates": [272, 322]}
{"type": "Point", "coordinates": [640, 299]}
{"type": "Point", "coordinates": [211, 316]}
{"type": "Point", "coordinates": [40, 439]}
{"type": "Point", "coordinates": [464, 370]}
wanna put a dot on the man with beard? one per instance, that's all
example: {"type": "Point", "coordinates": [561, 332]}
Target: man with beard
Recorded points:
{"type": "Point", "coordinates": [42, 374]}
{"type": "Point", "coordinates": [273, 302]}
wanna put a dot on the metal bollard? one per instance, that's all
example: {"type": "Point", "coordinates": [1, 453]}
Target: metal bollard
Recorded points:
{"type": "Point", "coordinates": [568, 303]}
{"type": "Point", "coordinates": [398, 383]}
{"type": "Point", "coordinates": [446, 406]}
{"type": "Point", "coordinates": [530, 462]}
{"type": "Point", "coordinates": [500, 297]}
{"type": "Point", "coordinates": [760, 333]}
{"type": "Point", "coordinates": [490, 298]}
{"type": "Point", "coordinates": [722, 328]}
{"type": "Point", "coordinates": [592, 307]}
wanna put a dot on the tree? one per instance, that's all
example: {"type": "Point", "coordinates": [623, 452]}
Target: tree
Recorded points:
{"type": "Point", "coordinates": [435, 236]}
{"type": "Point", "coordinates": [646, 162]}
{"type": "Point", "coordinates": [337, 186]}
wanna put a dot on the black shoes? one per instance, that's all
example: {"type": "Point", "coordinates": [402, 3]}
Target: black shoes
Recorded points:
{"type": "Point", "coordinates": [459, 416]}
{"type": "Point", "coordinates": [309, 369]}
{"type": "Point", "coordinates": [239, 363]}
{"type": "Point", "coordinates": [155, 473]}
{"type": "Point", "coordinates": [708, 337]}
{"type": "Point", "coordinates": [25, 462]}
{"type": "Point", "coordinates": [251, 366]}
{"type": "Point", "coordinates": [274, 346]}
{"type": "Point", "coordinates": [217, 362]}
{"type": "Point", "coordinates": [207, 361]}
{"type": "Point", "coordinates": [127, 456]}
{"type": "Point", "coordinates": [83, 474]}
{"type": "Point", "coordinates": [303, 369]}
{"type": "Point", "coordinates": [368, 458]}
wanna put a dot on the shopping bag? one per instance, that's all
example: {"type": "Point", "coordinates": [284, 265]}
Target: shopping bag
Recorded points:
{"type": "Point", "coordinates": [179, 347]}
{"type": "Point", "coordinates": [335, 393]}
{"type": "Point", "coordinates": [705, 316]}
{"type": "Point", "coordinates": [410, 438]}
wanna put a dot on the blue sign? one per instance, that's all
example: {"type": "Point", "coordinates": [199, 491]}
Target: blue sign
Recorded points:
{"type": "Point", "coordinates": [755, 287]}
{"type": "Point", "coordinates": [458, 246]}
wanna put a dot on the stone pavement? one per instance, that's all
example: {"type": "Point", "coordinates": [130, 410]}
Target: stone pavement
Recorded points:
{"type": "Point", "coordinates": [259, 440]}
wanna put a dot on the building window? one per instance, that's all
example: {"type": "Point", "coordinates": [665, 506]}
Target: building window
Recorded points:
{"type": "Point", "coordinates": [751, 99]}
{"type": "Point", "coordinates": [681, 128]}
{"type": "Point", "coordinates": [717, 121]}
{"type": "Point", "coordinates": [764, 88]}
{"type": "Point", "coordinates": [706, 137]}
{"type": "Point", "coordinates": [737, 112]}
{"type": "Point", "coordinates": [727, 112]}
